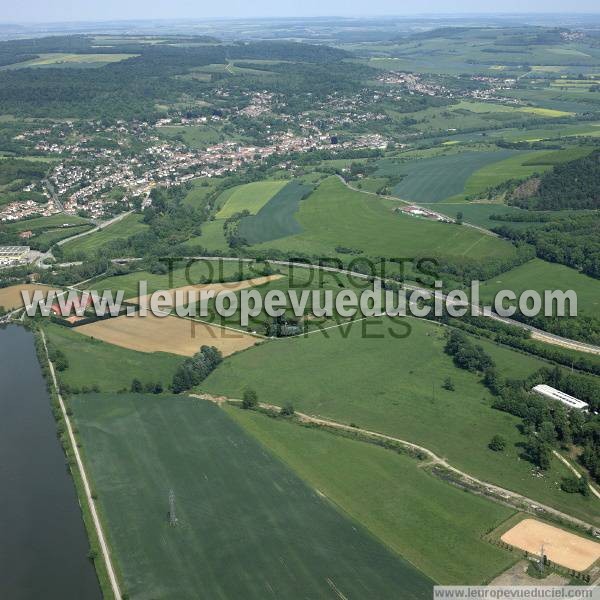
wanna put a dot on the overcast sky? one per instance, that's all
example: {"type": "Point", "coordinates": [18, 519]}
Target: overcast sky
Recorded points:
{"type": "Point", "coordinates": [101, 10]}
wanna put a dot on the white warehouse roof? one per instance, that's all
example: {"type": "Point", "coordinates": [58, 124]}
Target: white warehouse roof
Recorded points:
{"type": "Point", "coordinates": [554, 394]}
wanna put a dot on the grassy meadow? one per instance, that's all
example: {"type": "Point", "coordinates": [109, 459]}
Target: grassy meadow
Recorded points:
{"type": "Point", "coordinates": [247, 526]}
{"type": "Point", "coordinates": [408, 509]}
{"type": "Point", "coordinates": [112, 368]}
{"type": "Point", "coordinates": [250, 196]}
{"type": "Point", "coordinates": [334, 215]}
{"type": "Point", "coordinates": [120, 230]}
{"type": "Point", "coordinates": [367, 376]}
{"type": "Point", "coordinates": [540, 275]}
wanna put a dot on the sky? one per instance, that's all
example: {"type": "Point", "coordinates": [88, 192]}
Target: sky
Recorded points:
{"type": "Point", "coordinates": [102, 10]}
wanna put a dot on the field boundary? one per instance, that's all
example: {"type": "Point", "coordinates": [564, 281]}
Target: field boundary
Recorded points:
{"type": "Point", "coordinates": [84, 479]}
{"type": "Point", "coordinates": [437, 466]}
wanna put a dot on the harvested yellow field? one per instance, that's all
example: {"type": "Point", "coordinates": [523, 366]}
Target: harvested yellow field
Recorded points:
{"type": "Point", "coordinates": [166, 334]}
{"type": "Point", "coordinates": [561, 547]}
{"type": "Point", "coordinates": [230, 286]}
{"type": "Point", "coordinates": [10, 297]}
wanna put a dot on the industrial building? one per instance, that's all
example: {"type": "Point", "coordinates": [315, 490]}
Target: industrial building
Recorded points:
{"type": "Point", "coordinates": [11, 255]}
{"type": "Point", "coordinates": [554, 394]}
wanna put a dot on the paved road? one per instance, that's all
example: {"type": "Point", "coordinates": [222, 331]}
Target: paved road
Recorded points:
{"type": "Point", "coordinates": [536, 333]}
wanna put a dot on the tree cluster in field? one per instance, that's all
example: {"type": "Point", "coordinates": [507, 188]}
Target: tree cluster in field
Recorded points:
{"type": "Point", "coordinates": [546, 423]}
{"type": "Point", "coordinates": [465, 269]}
{"type": "Point", "coordinates": [231, 229]}
{"type": "Point", "coordinates": [12, 169]}
{"type": "Point", "coordinates": [572, 185]}
{"type": "Point", "coordinates": [196, 369]}
{"type": "Point", "coordinates": [137, 387]}
{"type": "Point", "coordinates": [466, 354]}
{"type": "Point", "coordinates": [570, 240]}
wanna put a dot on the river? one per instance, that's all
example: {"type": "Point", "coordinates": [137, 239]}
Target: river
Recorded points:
{"type": "Point", "coordinates": [43, 543]}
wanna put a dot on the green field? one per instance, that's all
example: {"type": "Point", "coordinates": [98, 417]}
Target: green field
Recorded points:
{"type": "Point", "coordinates": [395, 386]}
{"type": "Point", "coordinates": [200, 189]}
{"type": "Point", "coordinates": [120, 230]}
{"type": "Point", "coordinates": [540, 275]}
{"type": "Point", "coordinates": [276, 218]}
{"type": "Point", "coordinates": [45, 240]}
{"type": "Point", "coordinates": [440, 178]}
{"type": "Point", "coordinates": [247, 527]}
{"type": "Point", "coordinates": [41, 223]}
{"type": "Point", "coordinates": [334, 215]}
{"type": "Point", "coordinates": [250, 196]}
{"type": "Point", "coordinates": [514, 167]}
{"type": "Point", "coordinates": [65, 59]}
{"type": "Point", "coordinates": [93, 362]}
{"type": "Point", "coordinates": [198, 136]}
{"type": "Point", "coordinates": [398, 501]}
{"type": "Point", "coordinates": [184, 272]}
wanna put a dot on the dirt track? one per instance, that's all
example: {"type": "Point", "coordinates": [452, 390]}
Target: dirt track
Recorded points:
{"type": "Point", "coordinates": [503, 495]}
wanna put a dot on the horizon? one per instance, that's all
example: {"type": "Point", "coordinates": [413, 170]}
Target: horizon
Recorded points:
{"type": "Point", "coordinates": [21, 15]}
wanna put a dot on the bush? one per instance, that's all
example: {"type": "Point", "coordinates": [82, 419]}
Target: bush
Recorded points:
{"type": "Point", "coordinates": [497, 443]}
{"type": "Point", "coordinates": [250, 399]}
{"type": "Point", "coordinates": [287, 410]}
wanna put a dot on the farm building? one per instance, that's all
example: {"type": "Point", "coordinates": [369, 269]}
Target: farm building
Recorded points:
{"type": "Point", "coordinates": [554, 394]}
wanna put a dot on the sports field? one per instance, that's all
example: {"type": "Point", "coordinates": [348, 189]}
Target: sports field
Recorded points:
{"type": "Point", "coordinates": [247, 526]}
{"type": "Point", "coordinates": [334, 215]}
{"type": "Point", "coordinates": [117, 231]}
{"type": "Point", "coordinates": [166, 334]}
{"type": "Point", "coordinates": [560, 546]}
{"type": "Point", "coordinates": [250, 196]}
{"type": "Point", "coordinates": [394, 497]}
{"type": "Point", "coordinates": [365, 375]}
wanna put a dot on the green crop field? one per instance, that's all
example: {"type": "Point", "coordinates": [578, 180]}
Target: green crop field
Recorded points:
{"type": "Point", "coordinates": [440, 178]}
{"type": "Point", "coordinates": [334, 215]}
{"type": "Point", "coordinates": [540, 275]}
{"type": "Point", "coordinates": [251, 197]}
{"type": "Point", "coordinates": [276, 218]}
{"type": "Point", "coordinates": [64, 60]}
{"type": "Point", "coordinates": [520, 166]}
{"type": "Point", "coordinates": [93, 362]}
{"type": "Point", "coordinates": [184, 272]}
{"type": "Point", "coordinates": [51, 222]}
{"type": "Point", "coordinates": [391, 385]}
{"type": "Point", "coordinates": [117, 231]}
{"type": "Point", "coordinates": [247, 526]}
{"type": "Point", "coordinates": [411, 511]}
